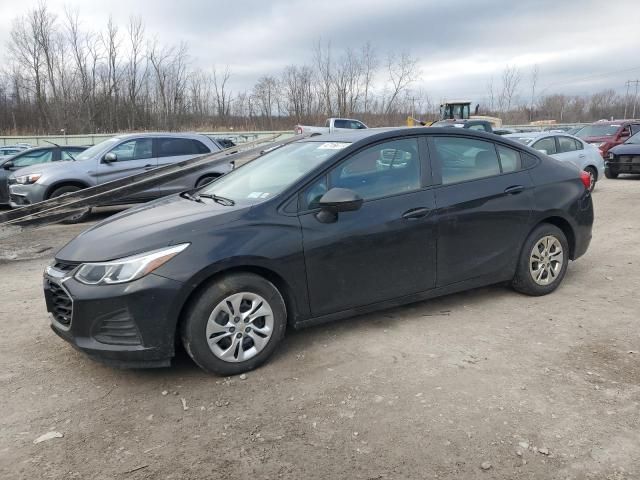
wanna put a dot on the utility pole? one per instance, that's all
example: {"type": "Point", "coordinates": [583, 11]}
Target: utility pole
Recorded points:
{"type": "Point", "coordinates": [635, 97]}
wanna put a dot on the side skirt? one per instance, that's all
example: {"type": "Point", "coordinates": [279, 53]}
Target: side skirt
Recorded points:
{"type": "Point", "coordinates": [396, 302]}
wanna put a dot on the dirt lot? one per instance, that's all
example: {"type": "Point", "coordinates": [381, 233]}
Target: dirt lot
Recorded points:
{"type": "Point", "coordinates": [538, 387]}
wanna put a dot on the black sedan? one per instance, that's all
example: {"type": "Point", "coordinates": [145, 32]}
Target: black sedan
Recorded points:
{"type": "Point", "coordinates": [623, 158]}
{"type": "Point", "coordinates": [30, 157]}
{"type": "Point", "coordinates": [317, 230]}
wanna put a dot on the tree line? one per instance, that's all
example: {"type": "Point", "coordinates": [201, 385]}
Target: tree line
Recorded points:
{"type": "Point", "coordinates": [60, 77]}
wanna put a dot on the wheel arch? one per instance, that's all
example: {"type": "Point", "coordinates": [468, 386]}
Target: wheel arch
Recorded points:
{"type": "Point", "coordinates": [212, 175]}
{"type": "Point", "coordinates": [64, 183]}
{"type": "Point", "coordinates": [277, 280]}
{"type": "Point", "coordinates": [564, 225]}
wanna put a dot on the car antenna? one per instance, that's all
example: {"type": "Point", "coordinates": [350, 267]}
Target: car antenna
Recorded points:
{"type": "Point", "coordinates": [56, 145]}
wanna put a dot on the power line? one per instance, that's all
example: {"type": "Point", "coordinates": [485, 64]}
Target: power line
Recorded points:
{"type": "Point", "coordinates": [635, 97]}
{"type": "Point", "coordinates": [588, 77]}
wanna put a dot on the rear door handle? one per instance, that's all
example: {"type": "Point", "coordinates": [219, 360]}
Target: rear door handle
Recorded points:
{"type": "Point", "coordinates": [148, 166]}
{"type": "Point", "coordinates": [513, 190]}
{"type": "Point", "coordinates": [416, 213]}
{"type": "Point", "coordinates": [582, 155]}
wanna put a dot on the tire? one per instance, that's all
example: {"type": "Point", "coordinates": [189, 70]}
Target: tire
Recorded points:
{"type": "Point", "coordinates": [610, 173]}
{"type": "Point", "coordinates": [77, 218]}
{"type": "Point", "coordinates": [229, 334]}
{"type": "Point", "coordinates": [551, 277]}
{"type": "Point", "coordinates": [206, 180]}
{"type": "Point", "coordinates": [593, 176]}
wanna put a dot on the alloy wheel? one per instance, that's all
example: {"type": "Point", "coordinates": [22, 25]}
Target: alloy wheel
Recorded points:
{"type": "Point", "coordinates": [239, 327]}
{"type": "Point", "coordinates": [546, 260]}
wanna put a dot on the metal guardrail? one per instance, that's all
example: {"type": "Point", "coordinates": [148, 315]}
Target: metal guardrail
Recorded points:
{"type": "Point", "coordinates": [95, 138]}
{"type": "Point", "coordinates": [540, 128]}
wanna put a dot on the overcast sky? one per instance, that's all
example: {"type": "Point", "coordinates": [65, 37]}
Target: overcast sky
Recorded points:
{"type": "Point", "coordinates": [580, 45]}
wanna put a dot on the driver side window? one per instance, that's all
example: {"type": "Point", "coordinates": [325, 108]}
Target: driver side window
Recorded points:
{"type": "Point", "coordinates": [139, 149]}
{"type": "Point", "coordinates": [388, 168]}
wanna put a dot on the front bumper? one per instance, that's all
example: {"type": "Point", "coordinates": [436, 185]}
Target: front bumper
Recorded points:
{"type": "Point", "coordinates": [21, 195]}
{"type": "Point", "coordinates": [624, 164]}
{"type": "Point", "coordinates": [128, 325]}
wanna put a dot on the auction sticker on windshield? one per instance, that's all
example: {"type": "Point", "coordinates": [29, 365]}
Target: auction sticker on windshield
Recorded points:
{"type": "Point", "coordinates": [332, 146]}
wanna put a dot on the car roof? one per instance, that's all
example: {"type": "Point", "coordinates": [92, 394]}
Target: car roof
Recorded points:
{"type": "Point", "coordinates": [161, 134]}
{"type": "Point", "coordinates": [384, 133]}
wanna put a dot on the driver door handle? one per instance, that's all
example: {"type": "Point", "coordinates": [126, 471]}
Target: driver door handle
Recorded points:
{"type": "Point", "coordinates": [148, 166]}
{"type": "Point", "coordinates": [513, 190]}
{"type": "Point", "coordinates": [416, 213]}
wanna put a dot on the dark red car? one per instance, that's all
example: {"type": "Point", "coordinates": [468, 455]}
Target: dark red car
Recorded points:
{"type": "Point", "coordinates": [607, 134]}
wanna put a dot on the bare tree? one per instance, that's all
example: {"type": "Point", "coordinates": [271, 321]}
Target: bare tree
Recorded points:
{"type": "Point", "coordinates": [136, 69]}
{"type": "Point", "coordinates": [510, 81]}
{"type": "Point", "coordinates": [402, 71]}
{"type": "Point", "coordinates": [266, 93]}
{"type": "Point", "coordinates": [223, 95]}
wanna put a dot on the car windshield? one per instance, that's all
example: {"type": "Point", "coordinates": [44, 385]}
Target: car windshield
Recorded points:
{"type": "Point", "coordinates": [270, 174]}
{"type": "Point", "coordinates": [93, 151]}
{"type": "Point", "coordinates": [597, 131]}
{"type": "Point", "coordinates": [634, 139]}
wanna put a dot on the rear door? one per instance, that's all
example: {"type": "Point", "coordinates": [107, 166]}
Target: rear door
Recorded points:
{"type": "Point", "coordinates": [133, 156]}
{"type": "Point", "coordinates": [483, 205]}
{"type": "Point", "coordinates": [171, 150]}
{"type": "Point", "coordinates": [570, 150]}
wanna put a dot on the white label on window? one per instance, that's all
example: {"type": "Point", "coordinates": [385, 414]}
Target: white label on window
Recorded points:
{"type": "Point", "coordinates": [332, 146]}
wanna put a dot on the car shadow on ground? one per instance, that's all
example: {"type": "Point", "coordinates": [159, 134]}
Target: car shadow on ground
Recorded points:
{"type": "Point", "coordinates": [297, 341]}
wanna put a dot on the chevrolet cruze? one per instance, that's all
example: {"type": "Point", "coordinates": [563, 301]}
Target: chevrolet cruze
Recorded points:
{"type": "Point", "coordinates": [317, 230]}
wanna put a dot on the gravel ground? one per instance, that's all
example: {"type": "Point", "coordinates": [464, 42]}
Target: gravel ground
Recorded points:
{"type": "Point", "coordinates": [483, 384]}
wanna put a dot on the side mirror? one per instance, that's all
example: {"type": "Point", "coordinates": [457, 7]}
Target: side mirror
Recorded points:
{"type": "Point", "coordinates": [337, 200]}
{"type": "Point", "coordinates": [542, 150]}
{"type": "Point", "coordinates": [110, 157]}
{"type": "Point", "coordinates": [8, 165]}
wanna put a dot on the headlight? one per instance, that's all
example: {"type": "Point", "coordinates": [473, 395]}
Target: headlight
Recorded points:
{"type": "Point", "coordinates": [126, 269]}
{"type": "Point", "coordinates": [28, 179]}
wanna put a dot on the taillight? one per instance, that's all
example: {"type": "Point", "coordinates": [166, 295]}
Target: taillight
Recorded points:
{"type": "Point", "coordinates": [586, 179]}
{"type": "Point", "coordinates": [298, 130]}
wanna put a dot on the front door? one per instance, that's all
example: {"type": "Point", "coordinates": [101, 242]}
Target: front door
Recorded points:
{"type": "Point", "coordinates": [132, 157]}
{"type": "Point", "coordinates": [382, 251]}
{"type": "Point", "coordinates": [483, 208]}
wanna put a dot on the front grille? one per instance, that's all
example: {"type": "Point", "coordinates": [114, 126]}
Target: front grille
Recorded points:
{"type": "Point", "coordinates": [116, 328]}
{"type": "Point", "coordinates": [61, 305]}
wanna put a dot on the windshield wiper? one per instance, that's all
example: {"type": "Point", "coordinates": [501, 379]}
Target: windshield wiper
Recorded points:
{"type": "Point", "coordinates": [227, 202]}
{"type": "Point", "coordinates": [193, 198]}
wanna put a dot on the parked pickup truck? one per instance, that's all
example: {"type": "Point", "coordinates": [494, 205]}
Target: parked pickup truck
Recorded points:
{"type": "Point", "coordinates": [331, 125]}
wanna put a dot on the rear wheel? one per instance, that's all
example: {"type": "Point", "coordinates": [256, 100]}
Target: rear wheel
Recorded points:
{"type": "Point", "coordinates": [234, 324]}
{"type": "Point", "coordinates": [78, 217]}
{"type": "Point", "coordinates": [543, 261]}
{"type": "Point", "coordinates": [593, 177]}
{"type": "Point", "coordinates": [609, 173]}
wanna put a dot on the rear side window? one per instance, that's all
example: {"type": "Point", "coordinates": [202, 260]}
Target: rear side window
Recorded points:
{"type": "Point", "coordinates": [547, 143]}
{"type": "Point", "coordinates": [174, 147]}
{"type": "Point", "coordinates": [341, 124]}
{"type": "Point", "coordinates": [463, 159]}
{"type": "Point", "coordinates": [509, 159]}
{"type": "Point", "coordinates": [566, 144]}
{"type": "Point", "coordinates": [200, 147]}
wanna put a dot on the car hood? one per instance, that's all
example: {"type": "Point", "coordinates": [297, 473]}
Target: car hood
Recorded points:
{"type": "Point", "coordinates": [598, 139]}
{"type": "Point", "coordinates": [167, 221]}
{"type": "Point", "coordinates": [626, 149]}
{"type": "Point", "coordinates": [41, 167]}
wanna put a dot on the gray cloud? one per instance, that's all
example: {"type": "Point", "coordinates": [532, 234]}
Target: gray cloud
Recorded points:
{"type": "Point", "coordinates": [460, 44]}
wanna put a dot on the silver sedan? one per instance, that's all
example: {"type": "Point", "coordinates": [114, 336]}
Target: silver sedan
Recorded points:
{"type": "Point", "coordinates": [565, 148]}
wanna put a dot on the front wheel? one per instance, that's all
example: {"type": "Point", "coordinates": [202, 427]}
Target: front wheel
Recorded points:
{"type": "Point", "coordinates": [610, 173]}
{"type": "Point", "coordinates": [543, 261]}
{"type": "Point", "coordinates": [234, 324]}
{"type": "Point", "coordinates": [78, 217]}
